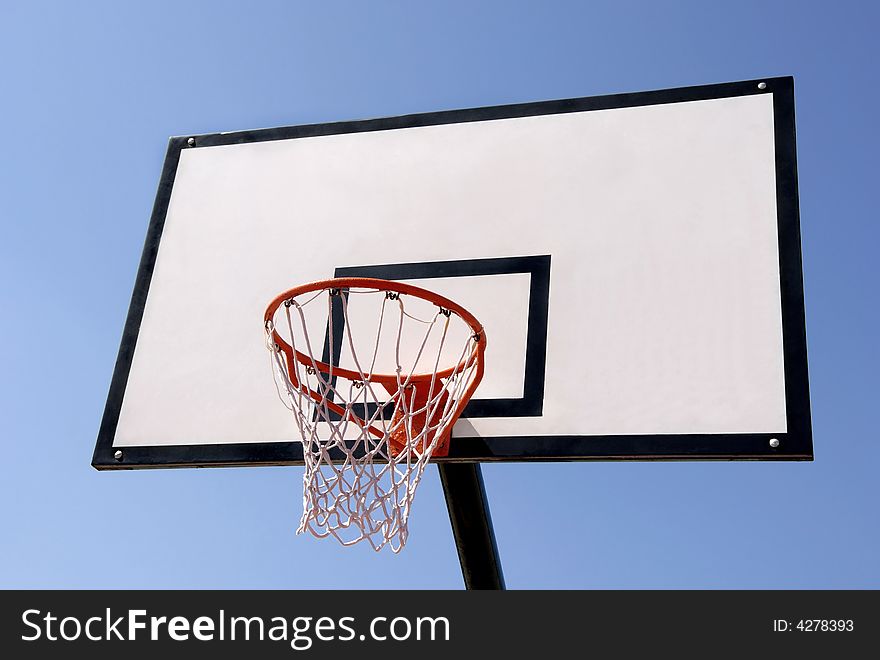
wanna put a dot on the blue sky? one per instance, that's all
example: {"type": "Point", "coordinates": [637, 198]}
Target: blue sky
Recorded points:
{"type": "Point", "coordinates": [91, 92]}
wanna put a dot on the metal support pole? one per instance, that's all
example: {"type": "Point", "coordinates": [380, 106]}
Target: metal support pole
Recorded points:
{"type": "Point", "coordinates": [471, 525]}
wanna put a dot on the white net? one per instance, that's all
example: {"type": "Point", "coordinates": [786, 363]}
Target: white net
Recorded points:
{"type": "Point", "coordinates": [374, 379]}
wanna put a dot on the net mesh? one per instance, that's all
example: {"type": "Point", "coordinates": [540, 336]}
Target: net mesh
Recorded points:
{"type": "Point", "coordinates": [370, 408]}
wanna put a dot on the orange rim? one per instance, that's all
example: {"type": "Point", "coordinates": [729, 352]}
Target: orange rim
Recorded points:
{"type": "Point", "coordinates": [292, 355]}
{"type": "Point", "coordinates": [379, 285]}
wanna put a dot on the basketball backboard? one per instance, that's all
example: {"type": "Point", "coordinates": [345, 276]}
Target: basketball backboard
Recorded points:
{"type": "Point", "coordinates": [635, 260]}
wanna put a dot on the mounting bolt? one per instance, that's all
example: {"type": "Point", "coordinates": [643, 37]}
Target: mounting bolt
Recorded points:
{"type": "Point", "coordinates": [192, 141]}
{"type": "Point", "coordinates": [762, 85]}
{"type": "Point", "coordinates": [117, 454]}
{"type": "Point", "coordinates": [774, 442]}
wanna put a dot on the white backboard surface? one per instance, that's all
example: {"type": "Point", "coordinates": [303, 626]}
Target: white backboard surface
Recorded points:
{"type": "Point", "coordinates": [627, 257]}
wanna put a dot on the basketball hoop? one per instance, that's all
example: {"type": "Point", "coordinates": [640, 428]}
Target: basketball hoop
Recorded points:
{"type": "Point", "coordinates": [376, 373]}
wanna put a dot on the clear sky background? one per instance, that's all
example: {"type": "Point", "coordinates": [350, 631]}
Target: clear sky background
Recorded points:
{"type": "Point", "coordinates": [92, 90]}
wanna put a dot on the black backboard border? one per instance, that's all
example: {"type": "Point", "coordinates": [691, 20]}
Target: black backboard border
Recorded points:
{"type": "Point", "coordinates": [795, 444]}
